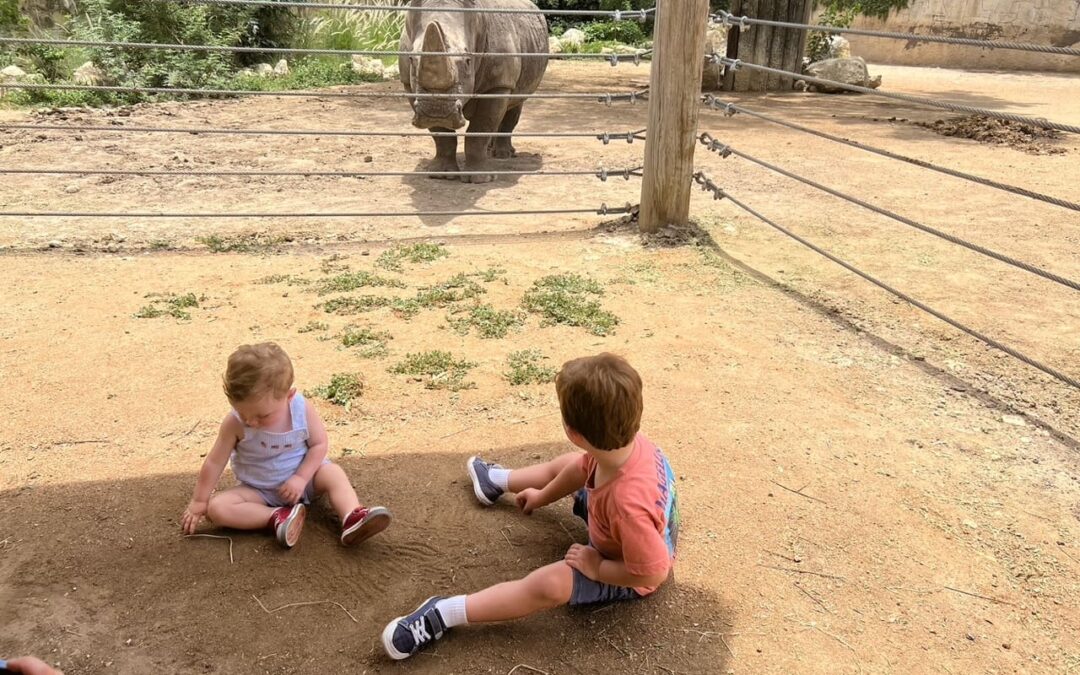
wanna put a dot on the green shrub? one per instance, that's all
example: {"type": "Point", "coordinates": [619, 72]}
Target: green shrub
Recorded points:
{"type": "Point", "coordinates": [626, 32]}
{"type": "Point", "coordinates": [437, 369]}
{"type": "Point", "coordinates": [565, 299]}
{"type": "Point", "coordinates": [525, 368]}
{"type": "Point", "coordinates": [342, 389]}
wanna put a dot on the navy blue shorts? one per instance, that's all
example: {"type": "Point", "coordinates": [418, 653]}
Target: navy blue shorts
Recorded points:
{"type": "Point", "coordinates": [586, 591]}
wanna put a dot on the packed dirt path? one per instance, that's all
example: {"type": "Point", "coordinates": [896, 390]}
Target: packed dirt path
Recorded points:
{"type": "Point", "coordinates": [863, 488]}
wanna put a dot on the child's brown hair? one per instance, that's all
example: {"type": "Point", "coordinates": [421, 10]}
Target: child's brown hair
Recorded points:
{"type": "Point", "coordinates": [255, 370]}
{"type": "Point", "coordinates": [600, 398]}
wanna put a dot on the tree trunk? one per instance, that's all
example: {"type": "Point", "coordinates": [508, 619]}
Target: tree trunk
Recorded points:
{"type": "Point", "coordinates": [780, 48]}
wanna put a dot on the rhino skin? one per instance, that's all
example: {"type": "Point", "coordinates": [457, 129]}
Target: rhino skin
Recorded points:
{"type": "Point", "coordinates": [432, 30]}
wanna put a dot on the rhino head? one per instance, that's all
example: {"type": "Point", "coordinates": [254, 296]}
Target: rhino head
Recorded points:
{"type": "Point", "coordinates": [439, 74]}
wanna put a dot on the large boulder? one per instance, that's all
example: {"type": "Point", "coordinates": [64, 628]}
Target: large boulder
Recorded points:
{"type": "Point", "coordinates": [839, 47]}
{"type": "Point", "coordinates": [88, 74]}
{"type": "Point", "coordinates": [555, 45]}
{"type": "Point", "coordinates": [12, 74]}
{"type": "Point", "coordinates": [264, 69]}
{"type": "Point", "coordinates": [282, 68]}
{"type": "Point", "coordinates": [846, 71]}
{"type": "Point", "coordinates": [712, 73]}
{"type": "Point", "coordinates": [573, 38]}
{"type": "Point", "coordinates": [368, 67]}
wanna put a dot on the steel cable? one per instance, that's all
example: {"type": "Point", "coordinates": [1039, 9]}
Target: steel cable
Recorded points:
{"type": "Point", "coordinates": [726, 150]}
{"type": "Point", "coordinates": [707, 184]}
{"type": "Point", "coordinates": [731, 109]}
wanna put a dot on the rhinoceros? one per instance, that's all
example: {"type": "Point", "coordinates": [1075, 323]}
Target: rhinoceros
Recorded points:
{"type": "Point", "coordinates": [460, 34]}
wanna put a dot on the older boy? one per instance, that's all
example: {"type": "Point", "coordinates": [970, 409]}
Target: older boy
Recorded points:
{"type": "Point", "coordinates": [623, 487]}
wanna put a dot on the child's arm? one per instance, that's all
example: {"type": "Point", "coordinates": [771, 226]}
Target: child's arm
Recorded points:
{"type": "Point", "coordinates": [218, 457]}
{"type": "Point", "coordinates": [589, 562]}
{"type": "Point", "coordinates": [318, 447]}
{"type": "Point", "coordinates": [646, 560]}
{"type": "Point", "coordinates": [571, 479]}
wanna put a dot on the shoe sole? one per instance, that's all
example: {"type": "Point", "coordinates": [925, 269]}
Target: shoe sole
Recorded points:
{"type": "Point", "coordinates": [476, 482]}
{"type": "Point", "coordinates": [388, 635]}
{"type": "Point", "coordinates": [378, 520]}
{"type": "Point", "coordinates": [293, 526]}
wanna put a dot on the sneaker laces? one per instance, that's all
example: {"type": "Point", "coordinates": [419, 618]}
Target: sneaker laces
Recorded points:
{"type": "Point", "coordinates": [419, 631]}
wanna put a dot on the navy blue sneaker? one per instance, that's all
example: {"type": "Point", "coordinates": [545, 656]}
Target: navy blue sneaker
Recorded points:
{"type": "Point", "coordinates": [406, 635]}
{"type": "Point", "coordinates": [487, 492]}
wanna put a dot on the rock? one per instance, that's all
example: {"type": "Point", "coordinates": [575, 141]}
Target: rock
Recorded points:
{"type": "Point", "coordinates": [839, 47]}
{"type": "Point", "coordinates": [555, 45]}
{"type": "Point", "coordinates": [712, 74]}
{"type": "Point", "coordinates": [392, 72]}
{"type": "Point", "coordinates": [573, 38]}
{"type": "Point", "coordinates": [1014, 420]}
{"type": "Point", "coordinates": [71, 189]}
{"type": "Point", "coordinates": [264, 70]}
{"type": "Point", "coordinates": [12, 74]}
{"type": "Point", "coordinates": [971, 525]}
{"type": "Point", "coordinates": [88, 74]}
{"type": "Point", "coordinates": [847, 71]}
{"type": "Point", "coordinates": [282, 67]}
{"type": "Point", "coordinates": [55, 243]}
{"type": "Point", "coordinates": [367, 67]}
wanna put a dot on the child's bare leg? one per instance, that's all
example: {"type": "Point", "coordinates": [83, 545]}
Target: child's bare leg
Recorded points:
{"type": "Point", "coordinates": [240, 507]}
{"type": "Point", "coordinates": [331, 479]}
{"type": "Point", "coordinates": [550, 586]}
{"type": "Point", "coordinates": [539, 475]}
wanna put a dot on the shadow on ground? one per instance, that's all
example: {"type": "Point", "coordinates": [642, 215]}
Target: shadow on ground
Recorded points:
{"type": "Point", "coordinates": [97, 577]}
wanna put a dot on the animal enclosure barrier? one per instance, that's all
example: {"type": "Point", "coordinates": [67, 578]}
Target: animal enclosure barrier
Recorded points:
{"type": "Point", "coordinates": [671, 135]}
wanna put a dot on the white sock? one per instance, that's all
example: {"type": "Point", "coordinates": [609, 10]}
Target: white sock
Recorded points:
{"type": "Point", "coordinates": [500, 477]}
{"type": "Point", "coordinates": [452, 611]}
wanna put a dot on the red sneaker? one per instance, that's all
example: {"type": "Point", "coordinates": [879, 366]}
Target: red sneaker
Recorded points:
{"type": "Point", "coordinates": [364, 523]}
{"type": "Point", "coordinates": [286, 523]}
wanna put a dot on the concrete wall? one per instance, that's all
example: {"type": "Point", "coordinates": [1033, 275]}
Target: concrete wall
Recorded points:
{"type": "Point", "coordinates": [1048, 22]}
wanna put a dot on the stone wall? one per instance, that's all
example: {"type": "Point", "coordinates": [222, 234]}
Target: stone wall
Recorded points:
{"type": "Point", "coordinates": [1048, 22]}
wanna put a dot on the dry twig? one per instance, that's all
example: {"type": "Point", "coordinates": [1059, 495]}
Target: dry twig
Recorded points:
{"type": "Point", "coordinates": [214, 536]}
{"type": "Point", "coordinates": [981, 597]}
{"type": "Point", "coordinates": [790, 569]}
{"type": "Point", "coordinates": [799, 492]}
{"type": "Point", "coordinates": [83, 442]}
{"type": "Point", "coordinates": [527, 667]}
{"type": "Point", "coordinates": [304, 604]}
{"type": "Point", "coordinates": [812, 597]}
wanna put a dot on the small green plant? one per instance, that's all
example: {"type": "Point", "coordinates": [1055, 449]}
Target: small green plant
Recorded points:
{"type": "Point", "coordinates": [289, 279]}
{"type": "Point", "coordinates": [312, 326]}
{"type": "Point", "coordinates": [565, 299]}
{"type": "Point", "coordinates": [525, 368]}
{"type": "Point", "coordinates": [835, 14]}
{"type": "Point", "coordinates": [175, 306]}
{"type": "Point", "coordinates": [393, 258]}
{"type": "Point", "coordinates": [455, 289]}
{"type": "Point", "coordinates": [437, 369]}
{"type": "Point", "coordinates": [350, 281]}
{"type": "Point", "coordinates": [368, 344]}
{"type": "Point", "coordinates": [162, 245]}
{"type": "Point", "coordinates": [244, 243]}
{"type": "Point", "coordinates": [342, 389]}
{"type": "Point", "coordinates": [492, 274]}
{"type": "Point", "coordinates": [353, 304]}
{"type": "Point", "coordinates": [489, 322]}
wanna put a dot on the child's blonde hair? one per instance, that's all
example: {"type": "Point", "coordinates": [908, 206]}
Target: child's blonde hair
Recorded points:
{"type": "Point", "coordinates": [255, 370]}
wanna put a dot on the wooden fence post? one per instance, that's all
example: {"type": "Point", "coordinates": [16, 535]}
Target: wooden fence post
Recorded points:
{"type": "Point", "coordinates": [674, 101]}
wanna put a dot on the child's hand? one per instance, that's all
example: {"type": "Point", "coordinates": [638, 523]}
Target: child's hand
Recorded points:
{"type": "Point", "coordinates": [192, 515]}
{"type": "Point", "coordinates": [31, 666]}
{"type": "Point", "coordinates": [528, 500]}
{"type": "Point", "coordinates": [293, 489]}
{"type": "Point", "coordinates": [584, 559]}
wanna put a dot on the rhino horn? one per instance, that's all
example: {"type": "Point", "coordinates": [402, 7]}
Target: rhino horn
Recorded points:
{"type": "Point", "coordinates": [436, 73]}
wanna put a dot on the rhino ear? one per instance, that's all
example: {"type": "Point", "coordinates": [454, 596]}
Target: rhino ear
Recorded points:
{"type": "Point", "coordinates": [435, 71]}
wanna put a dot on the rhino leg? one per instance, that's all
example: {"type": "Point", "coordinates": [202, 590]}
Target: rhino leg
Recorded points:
{"type": "Point", "coordinates": [486, 118]}
{"type": "Point", "coordinates": [503, 148]}
{"type": "Point", "coordinates": [445, 153]}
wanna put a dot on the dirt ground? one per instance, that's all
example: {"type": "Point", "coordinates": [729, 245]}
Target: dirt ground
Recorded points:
{"type": "Point", "coordinates": [863, 488]}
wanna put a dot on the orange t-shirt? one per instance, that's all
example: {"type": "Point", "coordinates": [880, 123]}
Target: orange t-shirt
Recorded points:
{"type": "Point", "coordinates": [634, 517]}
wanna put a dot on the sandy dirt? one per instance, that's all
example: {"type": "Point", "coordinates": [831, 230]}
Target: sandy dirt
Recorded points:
{"type": "Point", "coordinates": [863, 488]}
